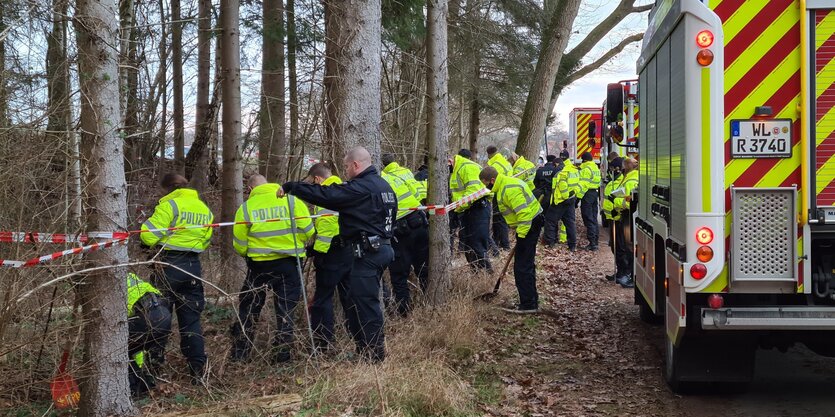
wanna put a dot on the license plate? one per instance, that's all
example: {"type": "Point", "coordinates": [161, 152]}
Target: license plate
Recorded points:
{"type": "Point", "coordinates": [761, 138]}
{"type": "Point", "coordinates": [829, 215]}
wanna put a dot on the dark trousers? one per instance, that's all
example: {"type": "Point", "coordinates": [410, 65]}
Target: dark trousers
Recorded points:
{"type": "Point", "coordinates": [185, 295]}
{"type": "Point", "coordinates": [411, 251]}
{"type": "Point", "coordinates": [280, 276]}
{"type": "Point", "coordinates": [564, 212]}
{"type": "Point", "coordinates": [588, 208]}
{"type": "Point", "coordinates": [333, 273]}
{"type": "Point", "coordinates": [475, 235]}
{"type": "Point", "coordinates": [549, 228]}
{"type": "Point", "coordinates": [524, 265]}
{"type": "Point", "coordinates": [148, 331]}
{"type": "Point", "coordinates": [623, 245]}
{"type": "Point", "coordinates": [500, 229]}
{"type": "Point", "coordinates": [366, 322]}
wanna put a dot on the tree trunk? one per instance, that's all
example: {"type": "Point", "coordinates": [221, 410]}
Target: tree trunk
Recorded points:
{"type": "Point", "coordinates": [536, 107]}
{"type": "Point", "coordinates": [438, 139]}
{"type": "Point", "coordinates": [352, 75]}
{"type": "Point", "coordinates": [58, 78]}
{"type": "Point", "coordinates": [4, 101]}
{"type": "Point", "coordinates": [292, 46]}
{"type": "Point", "coordinates": [199, 176]}
{"type": "Point", "coordinates": [105, 389]}
{"type": "Point", "coordinates": [232, 181]}
{"type": "Point", "coordinates": [475, 110]}
{"type": "Point", "coordinates": [177, 63]}
{"type": "Point", "coordinates": [129, 79]}
{"type": "Point", "coordinates": [272, 141]}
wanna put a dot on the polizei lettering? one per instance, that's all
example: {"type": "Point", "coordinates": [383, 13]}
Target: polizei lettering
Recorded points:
{"type": "Point", "coordinates": [192, 218]}
{"type": "Point", "coordinates": [269, 213]}
{"type": "Point", "coordinates": [389, 198]}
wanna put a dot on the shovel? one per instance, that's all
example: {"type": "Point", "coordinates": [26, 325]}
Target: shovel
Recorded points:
{"type": "Point", "coordinates": [491, 295]}
{"type": "Point", "coordinates": [65, 393]}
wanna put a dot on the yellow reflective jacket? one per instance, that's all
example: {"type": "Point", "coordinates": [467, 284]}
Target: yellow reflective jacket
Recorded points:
{"type": "Point", "coordinates": [524, 170]}
{"type": "Point", "coordinates": [501, 164]}
{"type": "Point", "coordinates": [566, 183]}
{"type": "Point", "coordinates": [589, 177]}
{"type": "Point", "coordinates": [266, 241]}
{"type": "Point", "coordinates": [516, 203]}
{"type": "Point", "coordinates": [326, 227]}
{"type": "Point", "coordinates": [182, 207]}
{"type": "Point", "coordinates": [609, 207]}
{"type": "Point", "coordinates": [405, 198]}
{"type": "Point", "coordinates": [405, 174]}
{"type": "Point", "coordinates": [625, 187]}
{"type": "Point", "coordinates": [464, 180]}
{"type": "Point", "coordinates": [136, 289]}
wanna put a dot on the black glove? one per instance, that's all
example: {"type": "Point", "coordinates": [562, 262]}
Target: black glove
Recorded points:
{"type": "Point", "coordinates": [610, 198]}
{"type": "Point", "coordinates": [310, 252]}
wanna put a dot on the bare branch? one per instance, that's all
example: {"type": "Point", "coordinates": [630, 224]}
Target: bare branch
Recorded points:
{"type": "Point", "coordinates": [582, 72]}
{"type": "Point", "coordinates": [641, 9]}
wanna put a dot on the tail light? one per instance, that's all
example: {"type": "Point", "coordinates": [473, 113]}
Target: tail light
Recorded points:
{"type": "Point", "coordinates": [715, 301]}
{"type": "Point", "coordinates": [704, 254]}
{"type": "Point", "coordinates": [704, 57]}
{"type": "Point", "coordinates": [704, 38]}
{"type": "Point", "coordinates": [704, 235]}
{"type": "Point", "coordinates": [698, 271]}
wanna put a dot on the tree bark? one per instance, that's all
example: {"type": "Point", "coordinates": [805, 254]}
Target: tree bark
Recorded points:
{"type": "Point", "coordinates": [58, 78]}
{"type": "Point", "coordinates": [129, 80]}
{"type": "Point", "coordinates": [438, 140]}
{"type": "Point", "coordinates": [177, 63]}
{"type": "Point", "coordinates": [4, 101]}
{"type": "Point", "coordinates": [105, 389]}
{"type": "Point", "coordinates": [475, 110]}
{"type": "Point", "coordinates": [232, 181]}
{"type": "Point", "coordinates": [536, 107]}
{"type": "Point", "coordinates": [272, 141]}
{"type": "Point", "coordinates": [353, 74]}
{"type": "Point", "coordinates": [292, 46]}
{"type": "Point", "coordinates": [199, 174]}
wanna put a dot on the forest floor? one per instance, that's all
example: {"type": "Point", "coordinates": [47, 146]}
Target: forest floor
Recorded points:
{"type": "Point", "coordinates": [586, 354]}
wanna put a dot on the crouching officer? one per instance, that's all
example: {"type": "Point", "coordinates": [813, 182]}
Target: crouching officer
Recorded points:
{"type": "Point", "coordinates": [411, 245]}
{"type": "Point", "coordinates": [271, 246]}
{"type": "Point", "coordinates": [523, 213]}
{"type": "Point", "coordinates": [366, 206]}
{"type": "Point", "coordinates": [180, 283]}
{"type": "Point", "coordinates": [149, 325]}
{"type": "Point", "coordinates": [332, 258]}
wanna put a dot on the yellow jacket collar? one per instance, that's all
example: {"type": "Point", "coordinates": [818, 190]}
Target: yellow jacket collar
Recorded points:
{"type": "Point", "coordinates": [394, 166]}
{"type": "Point", "coordinates": [333, 179]}
{"type": "Point", "coordinates": [179, 193]}
{"type": "Point", "coordinates": [268, 188]}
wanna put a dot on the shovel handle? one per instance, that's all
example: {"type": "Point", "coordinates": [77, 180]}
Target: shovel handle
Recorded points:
{"type": "Point", "coordinates": [504, 269]}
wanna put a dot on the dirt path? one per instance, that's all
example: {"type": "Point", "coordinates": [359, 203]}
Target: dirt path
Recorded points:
{"type": "Point", "coordinates": [593, 356]}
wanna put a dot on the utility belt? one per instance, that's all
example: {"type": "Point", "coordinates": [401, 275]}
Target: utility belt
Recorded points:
{"type": "Point", "coordinates": [149, 302]}
{"type": "Point", "coordinates": [368, 244]}
{"type": "Point", "coordinates": [168, 253]}
{"type": "Point", "coordinates": [412, 221]}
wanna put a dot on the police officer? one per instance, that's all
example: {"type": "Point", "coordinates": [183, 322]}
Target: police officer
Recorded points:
{"type": "Point", "coordinates": [523, 169]}
{"type": "Point", "coordinates": [181, 283]}
{"type": "Point", "coordinates": [563, 201]}
{"type": "Point", "coordinates": [613, 177]}
{"type": "Point", "coordinates": [422, 173]}
{"type": "Point", "coordinates": [621, 199]}
{"type": "Point", "coordinates": [332, 258]}
{"type": "Point", "coordinates": [149, 325]}
{"type": "Point", "coordinates": [475, 216]}
{"type": "Point", "coordinates": [589, 196]}
{"type": "Point", "coordinates": [543, 181]}
{"type": "Point", "coordinates": [411, 244]}
{"type": "Point", "coordinates": [502, 166]}
{"type": "Point", "coordinates": [367, 207]}
{"type": "Point", "coordinates": [523, 213]}
{"type": "Point", "coordinates": [392, 168]}
{"type": "Point", "coordinates": [272, 247]}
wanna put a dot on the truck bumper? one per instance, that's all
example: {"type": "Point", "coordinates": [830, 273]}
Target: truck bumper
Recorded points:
{"type": "Point", "coordinates": [769, 318]}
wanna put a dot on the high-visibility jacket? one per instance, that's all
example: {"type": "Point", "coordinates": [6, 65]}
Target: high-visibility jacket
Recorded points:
{"type": "Point", "coordinates": [137, 288]}
{"type": "Point", "coordinates": [182, 207]}
{"type": "Point", "coordinates": [608, 206]}
{"type": "Point", "coordinates": [516, 203]}
{"type": "Point", "coordinates": [525, 170]}
{"type": "Point", "coordinates": [464, 180]}
{"type": "Point", "coordinates": [625, 187]}
{"type": "Point", "coordinates": [417, 188]}
{"type": "Point", "coordinates": [326, 227]}
{"type": "Point", "coordinates": [566, 183]}
{"type": "Point", "coordinates": [267, 241]}
{"type": "Point", "coordinates": [501, 164]}
{"type": "Point", "coordinates": [589, 177]}
{"type": "Point", "coordinates": [405, 198]}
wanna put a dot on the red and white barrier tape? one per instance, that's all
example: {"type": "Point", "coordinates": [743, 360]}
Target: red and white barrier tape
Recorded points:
{"type": "Point", "coordinates": [35, 237]}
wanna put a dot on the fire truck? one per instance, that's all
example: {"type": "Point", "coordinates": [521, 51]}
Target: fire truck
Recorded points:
{"type": "Point", "coordinates": [620, 116]}
{"type": "Point", "coordinates": [734, 224]}
{"type": "Point", "coordinates": [584, 132]}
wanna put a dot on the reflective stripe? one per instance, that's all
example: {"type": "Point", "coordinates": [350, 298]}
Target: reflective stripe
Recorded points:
{"type": "Point", "coordinates": [175, 211]}
{"type": "Point", "coordinates": [158, 233]}
{"type": "Point", "coordinates": [266, 251]}
{"type": "Point", "coordinates": [325, 211]}
{"type": "Point", "coordinates": [306, 229]}
{"type": "Point", "coordinates": [182, 248]}
{"type": "Point", "coordinates": [246, 212]}
{"type": "Point", "coordinates": [240, 242]}
{"type": "Point", "coordinates": [405, 195]}
{"type": "Point", "coordinates": [507, 212]}
{"type": "Point", "coordinates": [324, 239]}
{"type": "Point", "coordinates": [270, 233]}
{"type": "Point", "coordinates": [522, 207]}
